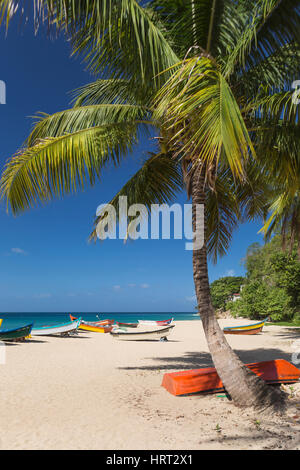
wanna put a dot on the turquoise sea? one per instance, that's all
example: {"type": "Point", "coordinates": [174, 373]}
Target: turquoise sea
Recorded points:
{"type": "Point", "coordinates": [14, 320]}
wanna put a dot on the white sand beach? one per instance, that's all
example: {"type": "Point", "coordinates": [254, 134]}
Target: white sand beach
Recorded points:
{"type": "Point", "coordinates": [94, 392]}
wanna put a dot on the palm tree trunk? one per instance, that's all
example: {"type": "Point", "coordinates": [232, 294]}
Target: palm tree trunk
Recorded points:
{"type": "Point", "coordinates": [244, 387]}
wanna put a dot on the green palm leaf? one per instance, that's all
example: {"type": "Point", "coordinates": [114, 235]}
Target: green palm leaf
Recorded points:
{"type": "Point", "coordinates": [222, 215]}
{"type": "Point", "coordinates": [58, 165]}
{"type": "Point", "coordinates": [269, 25]}
{"type": "Point", "coordinates": [114, 91]}
{"type": "Point", "coordinates": [203, 115]}
{"type": "Point", "coordinates": [157, 182]}
{"type": "Point", "coordinates": [125, 31]}
{"type": "Point", "coordinates": [84, 117]}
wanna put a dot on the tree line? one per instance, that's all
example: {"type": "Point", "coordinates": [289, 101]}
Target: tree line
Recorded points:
{"type": "Point", "coordinates": [270, 287]}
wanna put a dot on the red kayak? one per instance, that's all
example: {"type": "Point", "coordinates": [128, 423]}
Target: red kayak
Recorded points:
{"type": "Point", "coordinates": [95, 323]}
{"type": "Point", "coordinates": [207, 380]}
{"type": "Point", "coordinates": [156, 322]}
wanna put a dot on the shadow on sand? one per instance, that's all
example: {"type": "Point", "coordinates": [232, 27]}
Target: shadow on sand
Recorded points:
{"type": "Point", "coordinates": [195, 360]}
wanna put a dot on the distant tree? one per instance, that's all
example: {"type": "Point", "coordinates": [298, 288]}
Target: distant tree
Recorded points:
{"type": "Point", "coordinates": [272, 283]}
{"type": "Point", "coordinates": [222, 289]}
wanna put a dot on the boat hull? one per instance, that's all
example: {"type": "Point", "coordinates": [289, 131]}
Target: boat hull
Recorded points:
{"type": "Point", "coordinates": [64, 329]}
{"type": "Point", "coordinates": [207, 380]}
{"type": "Point", "coordinates": [251, 331]}
{"type": "Point", "coordinates": [127, 325]}
{"type": "Point", "coordinates": [158, 334]}
{"type": "Point", "coordinates": [16, 334]}
{"type": "Point", "coordinates": [95, 329]}
{"type": "Point", "coordinates": [155, 323]}
{"type": "Point", "coordinates": [95, 323]}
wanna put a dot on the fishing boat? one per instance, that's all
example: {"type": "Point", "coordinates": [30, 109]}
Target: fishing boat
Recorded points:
{"type": "Point", "coordinates": [64, 329]}
{"type": "Point", "coordinates": [156, 322]}
{"type": "Point", "coordinates": [16, 334]}
{"type": "Point", "coordinates": [95, 323]}
{"type": "Point", "coordinates": [207, 380]}
{"type": "Point", "coordinates": [127, 325]}
{"type": "Point", "coordinates": [96, 328]}
{"type": "Point", "coordinates": [253, 329]}
{"type": "Point", "coordinates": [160, 334]}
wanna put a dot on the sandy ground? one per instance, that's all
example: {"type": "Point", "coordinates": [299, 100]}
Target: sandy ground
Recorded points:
{"type": "Point", "coordinates": [94, 392]}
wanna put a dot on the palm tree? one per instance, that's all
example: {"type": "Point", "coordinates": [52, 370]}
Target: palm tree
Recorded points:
{"type": "Point", "coordinates": [283, 205]}
{"type": "Point", "coordinates": [212, 76]}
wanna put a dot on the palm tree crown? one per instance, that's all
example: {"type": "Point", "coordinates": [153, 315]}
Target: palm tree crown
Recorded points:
{"type": "Point", "coordinates": [227, 66]}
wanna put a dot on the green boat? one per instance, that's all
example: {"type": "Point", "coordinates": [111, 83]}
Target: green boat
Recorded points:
{"type": "Point", "coordinates": [16, 334]}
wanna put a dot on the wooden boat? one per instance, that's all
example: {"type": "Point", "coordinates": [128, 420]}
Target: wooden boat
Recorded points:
{"type": "Point", "coordinates": [156, 322]}
{"type": "Point", "coordinates": [95, 323]}
{"type": "Point", "coordinates": [245, 329]}
{"type": "Point", "coordinates": [127, 325]}
{"type": "Point", "coordinates": [16, 334]}
{"type": "Point", "coordinates": [96, 328]}
{"type": "Point", "coordinates": [64, 329]}
{"type": "Point", "coordinates": [160, 334]}
{"type": "Point", "coordinates": [207, 380]}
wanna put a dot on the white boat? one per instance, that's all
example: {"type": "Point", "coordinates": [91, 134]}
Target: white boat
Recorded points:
{"type": "Point", "coordinates": [160, 334]}
{"type": "Point", "coordinates": [156, 322]}
{"type": "Point", "coordinates": [64, 329]}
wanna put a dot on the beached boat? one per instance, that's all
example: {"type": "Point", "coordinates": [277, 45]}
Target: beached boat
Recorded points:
{"type": "Point", "coordinates": [127, 325]}
{"type": "Point", "coordinates": [96, 328]}
{"type": "Point", "coordinates": [160, 334]}
{"type": "Point", "coordinates": [245, 329]}
{"type": "Point", "coordinates": [95, 323]}
{"type": "Point", "coordinates": [207, 380]}
{"type": "Point", "coordinates": [16, 334]}
{"type": "Point", "coordinates": [156, 322]}
{"type": "Point", "coordinates": [64, 329]}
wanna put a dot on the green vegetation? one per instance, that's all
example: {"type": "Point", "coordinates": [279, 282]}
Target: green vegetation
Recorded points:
{"type": "Point", "coordinates": [272, 284]}
{"type": "Point", "coordinates": [222, 289]}
{"type": "Point", "coordinates": [286, 323]}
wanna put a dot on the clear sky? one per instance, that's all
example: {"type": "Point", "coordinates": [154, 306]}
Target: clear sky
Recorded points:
{"type": "Point", "coordinates": [46, 262]}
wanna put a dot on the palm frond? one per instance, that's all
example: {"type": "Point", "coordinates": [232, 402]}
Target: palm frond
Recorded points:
{"type": "Point", "coordinates": [270, 25]}
{"type": "Point", "coordinates": [8, 9]}
{"type": "Point", "coordinates": [192, 23]}
{"type": "Point", "coordinates": [112, 91]}
{"type": "Point", "coordinates": [84, 117]}
{"type": "Point", "coordinates": [58, 165]}
{"type": "Point", "coordinates": [123, 28]}
{"type": "Point", "coordinates": [222, 215]}
{"type": "Point", "coordinates": [125, 43]}
{"type": "Point", "coordinates": [276, 72]}
{"type": "Point", "coordinates": [157, 182]}
{"type": "Point", "coordinates": [284, 216]}
{"type": "Point", "coordinates": [279, 106]}
{"type": "Point", "coordinates": [201, 111]}
{"type": "Point", "coordinates": [278, 149]}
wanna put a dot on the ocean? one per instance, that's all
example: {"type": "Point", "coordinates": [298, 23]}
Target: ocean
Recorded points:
{"type": "Point", "coordinates": [14, 320]}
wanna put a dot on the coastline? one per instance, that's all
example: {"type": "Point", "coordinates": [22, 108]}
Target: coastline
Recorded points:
{"type": "Point", "coordinates": [94, 392]}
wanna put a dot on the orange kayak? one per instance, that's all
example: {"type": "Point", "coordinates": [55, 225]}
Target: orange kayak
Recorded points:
{"type": "Point", "coordinates": [207, 380]}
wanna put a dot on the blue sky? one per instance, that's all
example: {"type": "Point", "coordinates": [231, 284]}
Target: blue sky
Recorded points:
{"type": "Point", "coordinates": [46, 261]}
